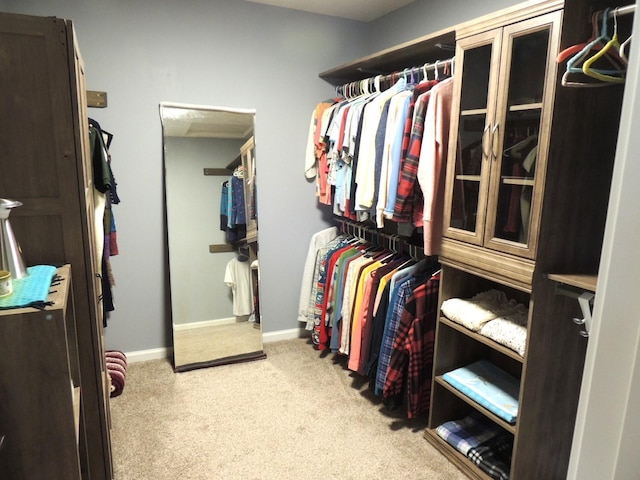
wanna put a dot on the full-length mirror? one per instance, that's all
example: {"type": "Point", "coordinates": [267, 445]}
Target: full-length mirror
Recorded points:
{"type": "Point", "coordinates": [210, 192]}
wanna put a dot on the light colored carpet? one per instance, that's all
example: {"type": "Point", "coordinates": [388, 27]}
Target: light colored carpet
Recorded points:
{"type": "Point", "coordinates": [298, 414]}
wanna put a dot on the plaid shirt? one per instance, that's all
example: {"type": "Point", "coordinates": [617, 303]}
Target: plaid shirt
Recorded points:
{"type": "Point", "coordinates": [409, 194]}
{"type": "Point", "coordinates": [412, 357]}
{"type": "Point", "coordinates": [399, 297]}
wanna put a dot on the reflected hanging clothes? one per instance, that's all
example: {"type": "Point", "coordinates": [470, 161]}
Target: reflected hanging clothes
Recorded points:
{"type": "Point", "coordinates": [237, 275]}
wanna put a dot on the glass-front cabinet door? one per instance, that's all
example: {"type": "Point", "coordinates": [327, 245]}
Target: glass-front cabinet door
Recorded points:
{"type": "Point", "coordinates": [496, 164]}
{"type": "Point", "coordinates": [475, 88]}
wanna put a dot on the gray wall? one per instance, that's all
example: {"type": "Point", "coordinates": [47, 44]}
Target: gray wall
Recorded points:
{"type": "Point", "coordinates": [209, 52]}
{"type": "Point", "coordinates": [198, 291]}
{"type": "Point", "coordinates": [427, 16]}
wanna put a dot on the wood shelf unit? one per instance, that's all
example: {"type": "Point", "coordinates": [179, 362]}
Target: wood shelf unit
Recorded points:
{"type": "Point", "coordinates": [572, 181]}
{"type": "Point", "coordinates": [40, 381]}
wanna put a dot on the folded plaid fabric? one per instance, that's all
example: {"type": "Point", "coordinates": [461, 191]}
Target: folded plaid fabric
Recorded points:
{"type": "Point", "coordinates": [467, 432]}
{"type": "Point", "coordinates": [494, 456]}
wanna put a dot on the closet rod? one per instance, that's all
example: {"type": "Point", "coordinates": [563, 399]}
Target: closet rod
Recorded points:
{"type": "Point", "coordinates": [394, 242]}
{"type": "Point", "coordinates": [393, 77]}
{"type": "Point", "coordinates": [618, 11]}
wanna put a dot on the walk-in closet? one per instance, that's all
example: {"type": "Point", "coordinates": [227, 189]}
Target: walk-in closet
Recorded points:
{"type": "Point", "coordinates": [426, 208]}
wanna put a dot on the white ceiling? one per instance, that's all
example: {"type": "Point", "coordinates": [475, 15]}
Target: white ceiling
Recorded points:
{"type": "Point", "coordinates": [362, 10]}
{"type": "Point", "coordinates": [196, 121]}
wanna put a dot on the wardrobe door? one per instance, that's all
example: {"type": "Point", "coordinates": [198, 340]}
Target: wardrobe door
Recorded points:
{"type": "Point", "coordinates": [520, 134]}
{"type": "Point", "coordinates": [468, 166]}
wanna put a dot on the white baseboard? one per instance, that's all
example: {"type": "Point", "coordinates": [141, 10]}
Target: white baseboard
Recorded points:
{"type": "Point", "coordinates": [151, 354]}
{"type": "Point", "coordinates": [206, 323]}
{"type": "Point", "coordinates": [289, 334]}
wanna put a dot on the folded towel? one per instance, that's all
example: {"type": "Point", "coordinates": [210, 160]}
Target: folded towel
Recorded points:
{"type": "Point", "coordinates": [116, 363]}
{"type": "Point", "coordinates": [31, 291]}
{"type": "Point", "coordinates": [509, 330]}
{"type": "Point", "coordinates": [475, 312]}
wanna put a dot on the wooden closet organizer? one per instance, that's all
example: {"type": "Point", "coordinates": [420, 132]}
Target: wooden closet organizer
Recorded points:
{"type": "Point", "coordinates": [506, 85]}
{"type": "Point", "coordinates": [46, 165]}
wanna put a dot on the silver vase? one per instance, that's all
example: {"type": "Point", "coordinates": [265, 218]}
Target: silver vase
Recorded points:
{"type": "Point", "coordinates": [10, 252]}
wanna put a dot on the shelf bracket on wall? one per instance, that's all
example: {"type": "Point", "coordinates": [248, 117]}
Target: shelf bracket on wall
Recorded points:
{"type": "Point", "coordinates": [582, 288]}
{"type": "Point", "coordinates": [221, 247]}
{"type": "Point", "coordinates": [219, 172]}
{"type": "Point", "coordinates": [96, 99]}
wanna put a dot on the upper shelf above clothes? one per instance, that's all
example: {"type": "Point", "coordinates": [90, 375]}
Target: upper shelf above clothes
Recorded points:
{"type": "Point", "coordinates": [427, 49]}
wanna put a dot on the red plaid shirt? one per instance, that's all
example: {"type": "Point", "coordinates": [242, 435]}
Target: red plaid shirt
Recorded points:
{"type": "Point", "coordinates": [409, 202]}
{"type": "Point", "coordinates": [412, 356]}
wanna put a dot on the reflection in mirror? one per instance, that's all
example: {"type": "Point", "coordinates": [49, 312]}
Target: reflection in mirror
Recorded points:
{"type": "Point", "coordinates": [209, 164]}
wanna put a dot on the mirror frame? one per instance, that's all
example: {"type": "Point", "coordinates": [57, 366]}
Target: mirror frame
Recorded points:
{"type": "Point", "coordinates": [250, 133]}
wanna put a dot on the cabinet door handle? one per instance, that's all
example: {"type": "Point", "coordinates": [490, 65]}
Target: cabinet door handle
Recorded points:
{"type": "Point", "coordinates": [494, 130]}
{"type": "Point", "coordinates": [485, 153]}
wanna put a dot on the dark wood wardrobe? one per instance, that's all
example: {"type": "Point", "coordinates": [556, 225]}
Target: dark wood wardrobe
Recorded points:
{"type": "Point", "coordinates": [45, 164]}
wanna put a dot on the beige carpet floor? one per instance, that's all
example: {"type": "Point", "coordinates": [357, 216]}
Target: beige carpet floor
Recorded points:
{"type": "Point", "coordinates": [298, 414]}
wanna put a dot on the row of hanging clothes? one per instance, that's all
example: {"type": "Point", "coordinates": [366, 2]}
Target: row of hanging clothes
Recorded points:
{"type": "Point", "coordinates": [233, 219]}
{"type": "Point", "coordinates": [376, 305]}
{"type": "Point", "coordinates": [105, 196]}
{"type": "Point", "coordinates": [602, 60]}
{"type": "Point", "coordinates": [378, 150]}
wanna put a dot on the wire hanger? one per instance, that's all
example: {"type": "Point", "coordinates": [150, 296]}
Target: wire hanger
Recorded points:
{"type": "Point", "coordinates": [623, 49]}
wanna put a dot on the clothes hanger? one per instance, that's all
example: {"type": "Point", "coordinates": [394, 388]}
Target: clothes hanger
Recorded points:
{"type": "Point", "coordinates": [614, 43]}
{"type": "Point", "coordinates": [521, 145]}
{"type": "Point", "coordinates": [601, 40]}
{"type": "Point", "coordinates": [623, 49]}
{"type": "Point", "coordinates": [435, 70]}
{"type": "Point", "coordinates": [575, 49]}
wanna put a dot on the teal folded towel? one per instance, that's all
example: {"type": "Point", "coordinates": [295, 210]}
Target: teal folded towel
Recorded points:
{"type": "Point", "coordinates": [31, 291]}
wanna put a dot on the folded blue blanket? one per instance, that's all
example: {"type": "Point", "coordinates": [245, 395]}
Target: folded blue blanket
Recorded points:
{"type": "Point", "coordinates": [488, 385]}
{"type": "Point", "coordinates": [31, 291]}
